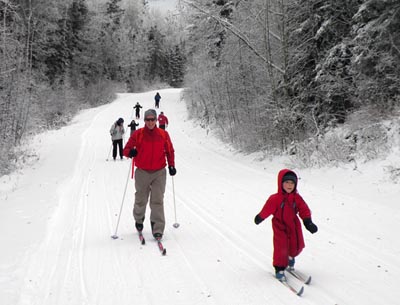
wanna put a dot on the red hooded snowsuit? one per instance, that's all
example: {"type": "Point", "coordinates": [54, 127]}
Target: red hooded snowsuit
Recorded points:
{"type": "Point", "coordinates": [288, 235]}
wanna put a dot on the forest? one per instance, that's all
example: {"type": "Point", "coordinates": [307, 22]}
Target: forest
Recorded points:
{"type": "Point", "coordinates": [279, 76]}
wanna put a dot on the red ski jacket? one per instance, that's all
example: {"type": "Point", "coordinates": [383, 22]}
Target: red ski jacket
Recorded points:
{"type": "Point", "coordinates": [162, 120]}
{"type": "Point", "coordinates": [154, 146]}
{"type": "Point", "coordinates": [288, 234]}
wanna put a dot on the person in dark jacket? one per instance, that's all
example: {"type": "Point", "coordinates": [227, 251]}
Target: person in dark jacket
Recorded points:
{"type": "Point", "coordinates": [133, 126]}
{"type": "Point", "coordinates": [137, 110]}
{"type": "Point", "coordinates": [285, 206]}
{"type": "Point", "coordinates": [157, 99]}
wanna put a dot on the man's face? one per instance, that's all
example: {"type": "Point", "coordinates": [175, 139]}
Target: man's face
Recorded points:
{"type": "Point", "coordinates": [150, 121]}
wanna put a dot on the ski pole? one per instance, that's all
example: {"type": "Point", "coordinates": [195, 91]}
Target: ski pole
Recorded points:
{"type": "Point", "coordinates": [115, 236]}
{"type": "Point", "coordinates": [176, 224]}
{"type": "Point", "coordinates": [109, 152]}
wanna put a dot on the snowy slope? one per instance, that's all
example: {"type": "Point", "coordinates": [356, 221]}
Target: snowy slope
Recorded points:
{"type": "Point", "coordinates": [57, 218]}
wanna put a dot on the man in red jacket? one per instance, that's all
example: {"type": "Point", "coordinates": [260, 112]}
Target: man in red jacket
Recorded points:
{"type": "Point", "coordinates": [152, 149]}
{"type": "Point", "coordinates": [288, 236]}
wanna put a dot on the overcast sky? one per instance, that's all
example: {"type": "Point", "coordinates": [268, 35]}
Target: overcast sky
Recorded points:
{"type": "Point", "coordinates": [163, 4]}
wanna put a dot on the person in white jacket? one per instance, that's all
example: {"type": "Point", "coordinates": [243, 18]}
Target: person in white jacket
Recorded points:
{"type": "Point", "coordinates": [117, 132]}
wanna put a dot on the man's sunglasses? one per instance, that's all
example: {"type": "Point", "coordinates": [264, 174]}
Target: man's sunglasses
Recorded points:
{"type": "Point", "coordinates": [150, 119]}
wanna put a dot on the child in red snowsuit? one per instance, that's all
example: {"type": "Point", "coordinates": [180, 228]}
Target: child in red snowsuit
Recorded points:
{"type": "Point", "coordinates": [285, 205]}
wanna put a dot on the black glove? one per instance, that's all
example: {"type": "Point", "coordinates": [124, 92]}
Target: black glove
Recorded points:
{"type": "Point", "coordinates": [172, 170]}
{"type": "Point", "coordinates": [133, 153]}
{"type": "Point", "coordinates": [310, 226]}
{"type": "Point", "coordinates": [258, 219]}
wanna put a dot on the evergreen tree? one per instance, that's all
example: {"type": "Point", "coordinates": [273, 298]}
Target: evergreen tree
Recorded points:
{"type": "Point", "coordinates": [177, 63]}
{"type": "Point", "coordinates": [376, 54]}
{"type": "Point", "coordinates": [78, 18]}
{"type": "Point", "coordinates": [318, 71]}
{"type": "Point", "coordinates": [115, 12]}
{"type": "Point", "coordinates": [156, 60]}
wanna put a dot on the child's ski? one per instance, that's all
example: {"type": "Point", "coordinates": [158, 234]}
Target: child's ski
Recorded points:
{"type": "Point", "coordinates": [292, 289]}
{"type": "Point", "coordinates": [306, 279]}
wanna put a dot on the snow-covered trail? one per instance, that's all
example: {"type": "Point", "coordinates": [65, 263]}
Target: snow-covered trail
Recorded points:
{"type": "Point", "coordinates": [64, 210]}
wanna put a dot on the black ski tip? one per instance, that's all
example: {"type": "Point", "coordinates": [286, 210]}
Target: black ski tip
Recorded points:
{"type": "Point", "coordinates": [300, 291]}
{"type": "Point", "coordinates": [164, 252]}
{"type": "Point", "coordinates": [308, 281]}
{"type": "Point", "coordinates": [143, 242]}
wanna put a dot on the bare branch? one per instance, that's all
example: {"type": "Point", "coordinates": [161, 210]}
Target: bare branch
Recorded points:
{"type": "Point", "coordinates": [235, 31]}
{"type": "Point", "coordinates": [393, 43]}
{"type": "Point", "coordinates": [8, 71]}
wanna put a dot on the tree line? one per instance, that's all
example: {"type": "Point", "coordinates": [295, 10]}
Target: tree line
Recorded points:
{"type": "Point", "coordinates": [272, 75]}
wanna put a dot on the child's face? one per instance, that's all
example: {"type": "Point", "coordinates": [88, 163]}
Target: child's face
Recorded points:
{"type": "Point", "coordinates": [288, 186]}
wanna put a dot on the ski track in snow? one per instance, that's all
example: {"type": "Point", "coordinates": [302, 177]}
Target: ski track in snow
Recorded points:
{"type": "Point", "coordinates": [216, 256]}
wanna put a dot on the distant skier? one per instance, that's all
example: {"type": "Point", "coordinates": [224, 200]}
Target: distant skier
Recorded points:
{"type": "Point", "coordinates": [162, 121]}
{"type": "Point", "coordinates": [137, 110]}
{"type": "Point", "coordinates": [117, 132]}
{"type": "Point", "coordinates": [288, 236]}
{"type": "Point", "coordinates": [157, 99]}
{"type": "Point", "coordinates": [133, 126]}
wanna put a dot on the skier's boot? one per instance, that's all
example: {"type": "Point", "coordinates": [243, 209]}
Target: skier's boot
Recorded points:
{"type": "Point", "coordinates": [280, 276]}
{"type": "Point", "coordinates": [157, 236]}
{"type": "Point", "coordinates": [139, 226]}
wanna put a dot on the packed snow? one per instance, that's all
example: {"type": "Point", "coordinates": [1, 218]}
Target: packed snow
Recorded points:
{"type": "Point", "coordinates": [58, 214]}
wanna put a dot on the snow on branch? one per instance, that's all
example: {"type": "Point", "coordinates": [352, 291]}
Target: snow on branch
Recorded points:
{"type": "Point", "coordinates": [235, 31]}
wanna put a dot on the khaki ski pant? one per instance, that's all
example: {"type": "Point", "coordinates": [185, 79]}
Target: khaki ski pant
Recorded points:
{"type": "Point", "coordinates": [150, 183]}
